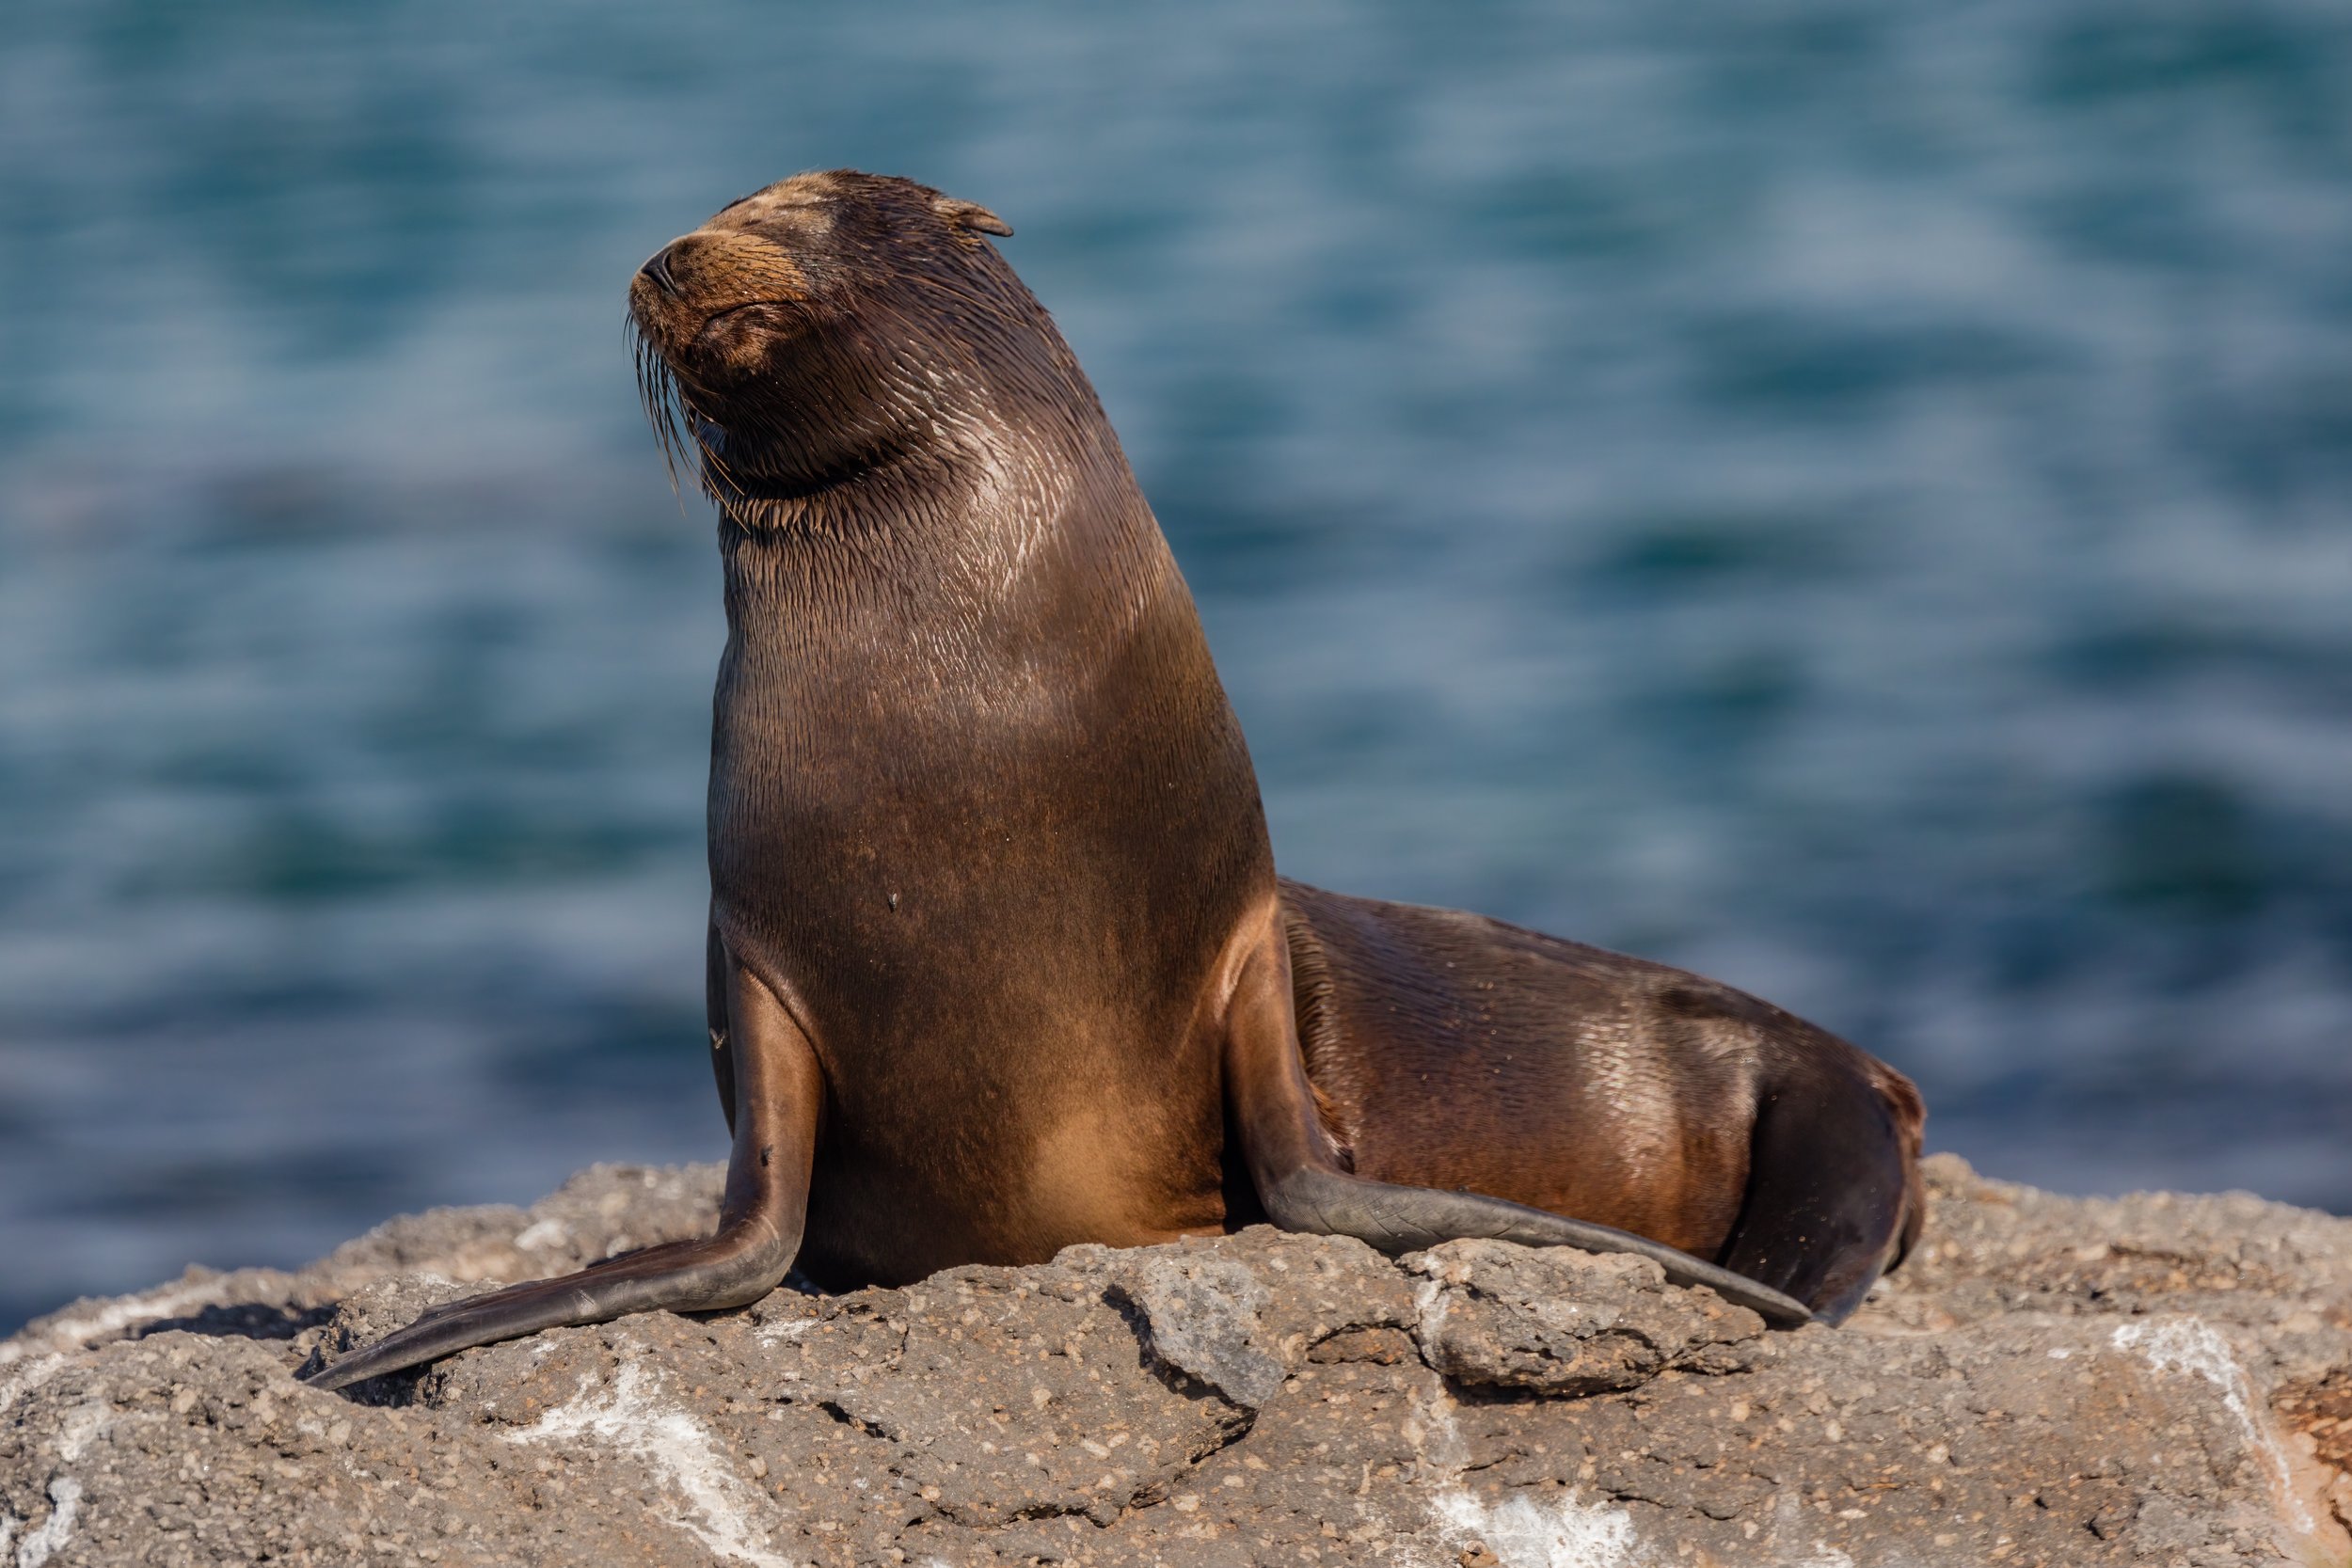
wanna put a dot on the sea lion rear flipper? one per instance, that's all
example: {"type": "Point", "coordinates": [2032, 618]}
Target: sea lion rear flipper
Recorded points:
{"type": "Point", "coordinates": [1834, 1198]}
{"type": "Point", "coordinates": [1304, 1187]}
{"type": "Point", "coordinates": [777, 1092]}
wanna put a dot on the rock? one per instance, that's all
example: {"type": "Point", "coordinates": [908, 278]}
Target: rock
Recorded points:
{"type": "Point", "coordinates": [2151, 1380]}
{"type": "Point", "coordinates": [1201, 1319]}
{"type": "Point", "coordinates": [1561, 1321]}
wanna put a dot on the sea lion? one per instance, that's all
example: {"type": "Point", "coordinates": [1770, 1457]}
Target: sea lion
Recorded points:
{"type": "Point", "coordinates": [998, 960]}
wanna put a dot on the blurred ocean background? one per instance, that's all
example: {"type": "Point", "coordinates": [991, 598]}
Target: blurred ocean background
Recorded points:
{"type": "Point", "coordinates": [1850, 498]}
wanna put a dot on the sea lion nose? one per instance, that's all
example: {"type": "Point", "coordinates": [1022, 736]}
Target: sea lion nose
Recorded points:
{"type": "Point", "coordinates": [657, 270]}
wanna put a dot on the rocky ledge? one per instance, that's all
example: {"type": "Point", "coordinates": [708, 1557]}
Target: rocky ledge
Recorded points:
{"type": "Point", "coordinates": [2154, 1380]}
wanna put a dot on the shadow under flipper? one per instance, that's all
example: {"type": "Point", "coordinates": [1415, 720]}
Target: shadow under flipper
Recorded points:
{"type": "Point", "coordinates": [250, 1320]}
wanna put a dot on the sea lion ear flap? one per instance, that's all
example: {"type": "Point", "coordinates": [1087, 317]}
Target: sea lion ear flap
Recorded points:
{"type": "Point", "coordinates": [970, 216]}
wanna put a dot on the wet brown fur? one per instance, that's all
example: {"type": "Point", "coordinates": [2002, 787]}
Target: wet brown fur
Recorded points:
{"type": "Point", "coordinates": [989, 871]}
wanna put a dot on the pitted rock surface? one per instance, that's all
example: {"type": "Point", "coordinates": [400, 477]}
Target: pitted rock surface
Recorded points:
{"type": "Point", "coordinates": [1201, 1317]}
{"type": "Point", "coordinates": [2152, 1380]}
{"type": "Point", "coordinates": [1561, 1321]}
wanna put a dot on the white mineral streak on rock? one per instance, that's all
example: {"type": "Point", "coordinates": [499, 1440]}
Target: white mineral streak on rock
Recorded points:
{"type": "Point", "coordinates": [630, 1417]}
{"type": "Point", "coordinates": [64, 1499]}
{"type": "Point", "coordinates": [1442, 1449]}
{"type": "Point", "coordinates": [108, 1322]}
{"type": "Point", "coordinates": [29, 1379]}
{"type": "Point", "coordinates": [792, 1328]}
{"type": "Point", "coordinates": [1525, 1533]}
{"type": "Point", "coordinates": [1521, 1530]}
{"type": "Point", "coordinates": [545, 1233]}
{"type": "Point", "coordinates": [79, 1429]}
{"type": "Point", "coordinates": [2190, 1345]}
{"type": "Point", "coordinates": [1430, 1307]}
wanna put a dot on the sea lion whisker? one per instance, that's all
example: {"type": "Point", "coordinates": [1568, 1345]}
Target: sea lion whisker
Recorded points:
{"type": "Point", "coordinates": [657, 392]}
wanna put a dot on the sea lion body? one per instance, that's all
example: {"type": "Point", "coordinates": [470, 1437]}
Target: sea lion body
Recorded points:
{"type": "Point", "coordinates": [999, 976]}
{"type": "Point", "coordinates": [998, 958]}
{"type": "Point", "coordinates": [1454, 1052]}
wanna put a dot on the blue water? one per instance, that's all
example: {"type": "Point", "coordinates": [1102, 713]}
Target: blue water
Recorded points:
{"type": "Point", "coordinates": [1851, 497]}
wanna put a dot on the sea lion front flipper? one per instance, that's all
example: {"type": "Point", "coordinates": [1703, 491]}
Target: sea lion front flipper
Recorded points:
{"type": "Point", "coordinates": [778, 1089]}
{"type": "Point", "coordinates": [1304, 1186]}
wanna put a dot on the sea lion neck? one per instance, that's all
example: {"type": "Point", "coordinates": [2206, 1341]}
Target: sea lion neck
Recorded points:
{"type": "Point", "coordinates": [986, 535]}
{"type": "Point", "coordinates": [860, 427]}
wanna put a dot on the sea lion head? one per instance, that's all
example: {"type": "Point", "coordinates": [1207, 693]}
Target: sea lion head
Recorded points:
{"type": "Point", "coordinates": [833, 322]}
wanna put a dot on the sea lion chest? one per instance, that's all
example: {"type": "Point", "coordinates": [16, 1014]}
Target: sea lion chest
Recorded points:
{"type": "Point", "coordinates": [996, 874]}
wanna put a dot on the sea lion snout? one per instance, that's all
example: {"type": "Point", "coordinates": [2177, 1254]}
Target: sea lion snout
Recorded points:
{"type": "Point", "coordinates": [699, 277]}
{"type": "Point", "coordinates": [840, 244]}
{"type": "Point", "coordinates": [657, 270]}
